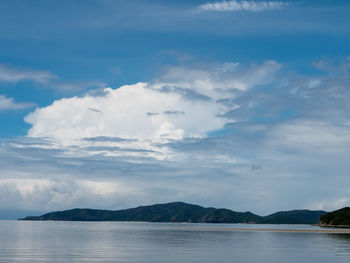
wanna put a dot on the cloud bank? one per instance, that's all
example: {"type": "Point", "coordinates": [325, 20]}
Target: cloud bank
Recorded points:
{"type": "Point", "coordinates": [244, 137]}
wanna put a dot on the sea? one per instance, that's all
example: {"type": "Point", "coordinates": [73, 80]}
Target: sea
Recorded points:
{"type": "Point", "coordinates": [59, 242]}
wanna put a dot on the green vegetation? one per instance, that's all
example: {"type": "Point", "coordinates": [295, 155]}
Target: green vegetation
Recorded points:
{"type": "Point", "coordinates": [181, 212]}
{"type": "Point", "coordinates": [338, 218]}
{"type": "Point", "coordinates": [294, 217]}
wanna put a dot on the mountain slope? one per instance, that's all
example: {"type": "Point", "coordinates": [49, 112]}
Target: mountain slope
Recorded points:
{"type": "Point", "coordinates": [294, 217]}
{"type": "Point", "coordinates": [337, 218]}
{"type": "Point", "coordinates": [181, 212]}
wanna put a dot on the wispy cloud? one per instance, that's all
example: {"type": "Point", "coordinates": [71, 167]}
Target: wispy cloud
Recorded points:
{"type": "Point", "coordinates": [13, 74]}
{"type": "Point", "coordinates": [250, 6]}
{"type": "Point", "coordinates": [47, 79]}
{"type": "Point", "coordinates": [10, 104]}
{"type": "Point", "coordinates": [74, 86]}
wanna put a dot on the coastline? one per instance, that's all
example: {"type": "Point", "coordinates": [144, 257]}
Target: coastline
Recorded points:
{"type": "Point", "coordinates": [326, 231]}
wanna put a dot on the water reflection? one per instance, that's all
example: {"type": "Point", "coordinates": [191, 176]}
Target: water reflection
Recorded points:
{"type": "Point", "coordinates": [25, 241]}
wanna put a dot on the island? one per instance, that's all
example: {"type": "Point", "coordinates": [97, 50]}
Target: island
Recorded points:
{"type": "Point", "coordinates": [182, 212]}
{"type": "Point", "coordinates": [338, 218]}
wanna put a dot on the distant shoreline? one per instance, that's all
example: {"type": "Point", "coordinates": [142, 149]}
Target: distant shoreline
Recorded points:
{"type": "Point", "coordinates": [182, 212]}
{"type": "Point", "coordinates": [326, 231]}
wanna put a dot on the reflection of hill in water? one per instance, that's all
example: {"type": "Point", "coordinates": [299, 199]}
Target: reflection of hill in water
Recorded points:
{"type": "Point", "coordinates": [144, 242]}
{"type": "Point", "coordinates": [344, 237]}
{"type": "Point", "coordinates": [341, 242]}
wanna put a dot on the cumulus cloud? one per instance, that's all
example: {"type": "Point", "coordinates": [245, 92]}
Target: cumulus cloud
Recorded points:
{"type": "Point", "coordinates": [13, 74]}
{"type": "Point", "coordinates": [10, 104]}
{"type": "Point", "coordinates": [122, 113]}
{"type": "Point", "coordinates": [169, 108]}
{"type": "Point", "coordinates": [250, 6]}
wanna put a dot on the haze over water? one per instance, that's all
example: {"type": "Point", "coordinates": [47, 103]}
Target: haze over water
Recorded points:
{"type": "Point", "coordinates": [32, 241]}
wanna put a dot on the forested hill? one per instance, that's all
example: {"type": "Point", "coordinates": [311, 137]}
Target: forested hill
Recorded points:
{"type": "Point", "coordinates": [338, 218]}
{"type": "Point", "coordinates": [181, 212]}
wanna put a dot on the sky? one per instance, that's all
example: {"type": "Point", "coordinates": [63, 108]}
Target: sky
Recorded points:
{"type": "Point", "coordinates": [115, 104]}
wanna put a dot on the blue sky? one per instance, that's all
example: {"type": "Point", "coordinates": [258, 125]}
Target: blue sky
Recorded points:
{"type": "Point", "coordinates": [111, 104]}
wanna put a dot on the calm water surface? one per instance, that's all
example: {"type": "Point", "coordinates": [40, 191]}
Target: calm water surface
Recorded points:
{"type": "Point", "coordinates": [33, 241]}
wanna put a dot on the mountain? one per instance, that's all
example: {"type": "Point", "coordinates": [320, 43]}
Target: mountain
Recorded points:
{"type": "Point", "coordinates": [181, 212]}
{"type": "Point", "coordinates": [294, 217]}
{"type": "Point", "coordinates": [337, 218]}
{"type": "Point", "coordinates": [171, 212]}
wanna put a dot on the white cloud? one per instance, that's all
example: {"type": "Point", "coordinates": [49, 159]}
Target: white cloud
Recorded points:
{"type": "Point", "coordinates": [13, 74]}
{"type": "Point", "coordinates": [308, 135]}
{"type": "Point", "coordinates": [123, 113]}
{"type": "Point", "coordinates": [183, 103]}
{"type": "Point", "coordinates": [219, 82]}
{"type": "Point", "coordinates": [251, 6]}
{"type": "Point", "coordinates": [10, 104]}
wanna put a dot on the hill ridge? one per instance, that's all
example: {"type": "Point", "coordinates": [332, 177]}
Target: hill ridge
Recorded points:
{"type": "Point", "coordinates": [337, 218]}
{"type": "Point", "coordinates": [181, 212]}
